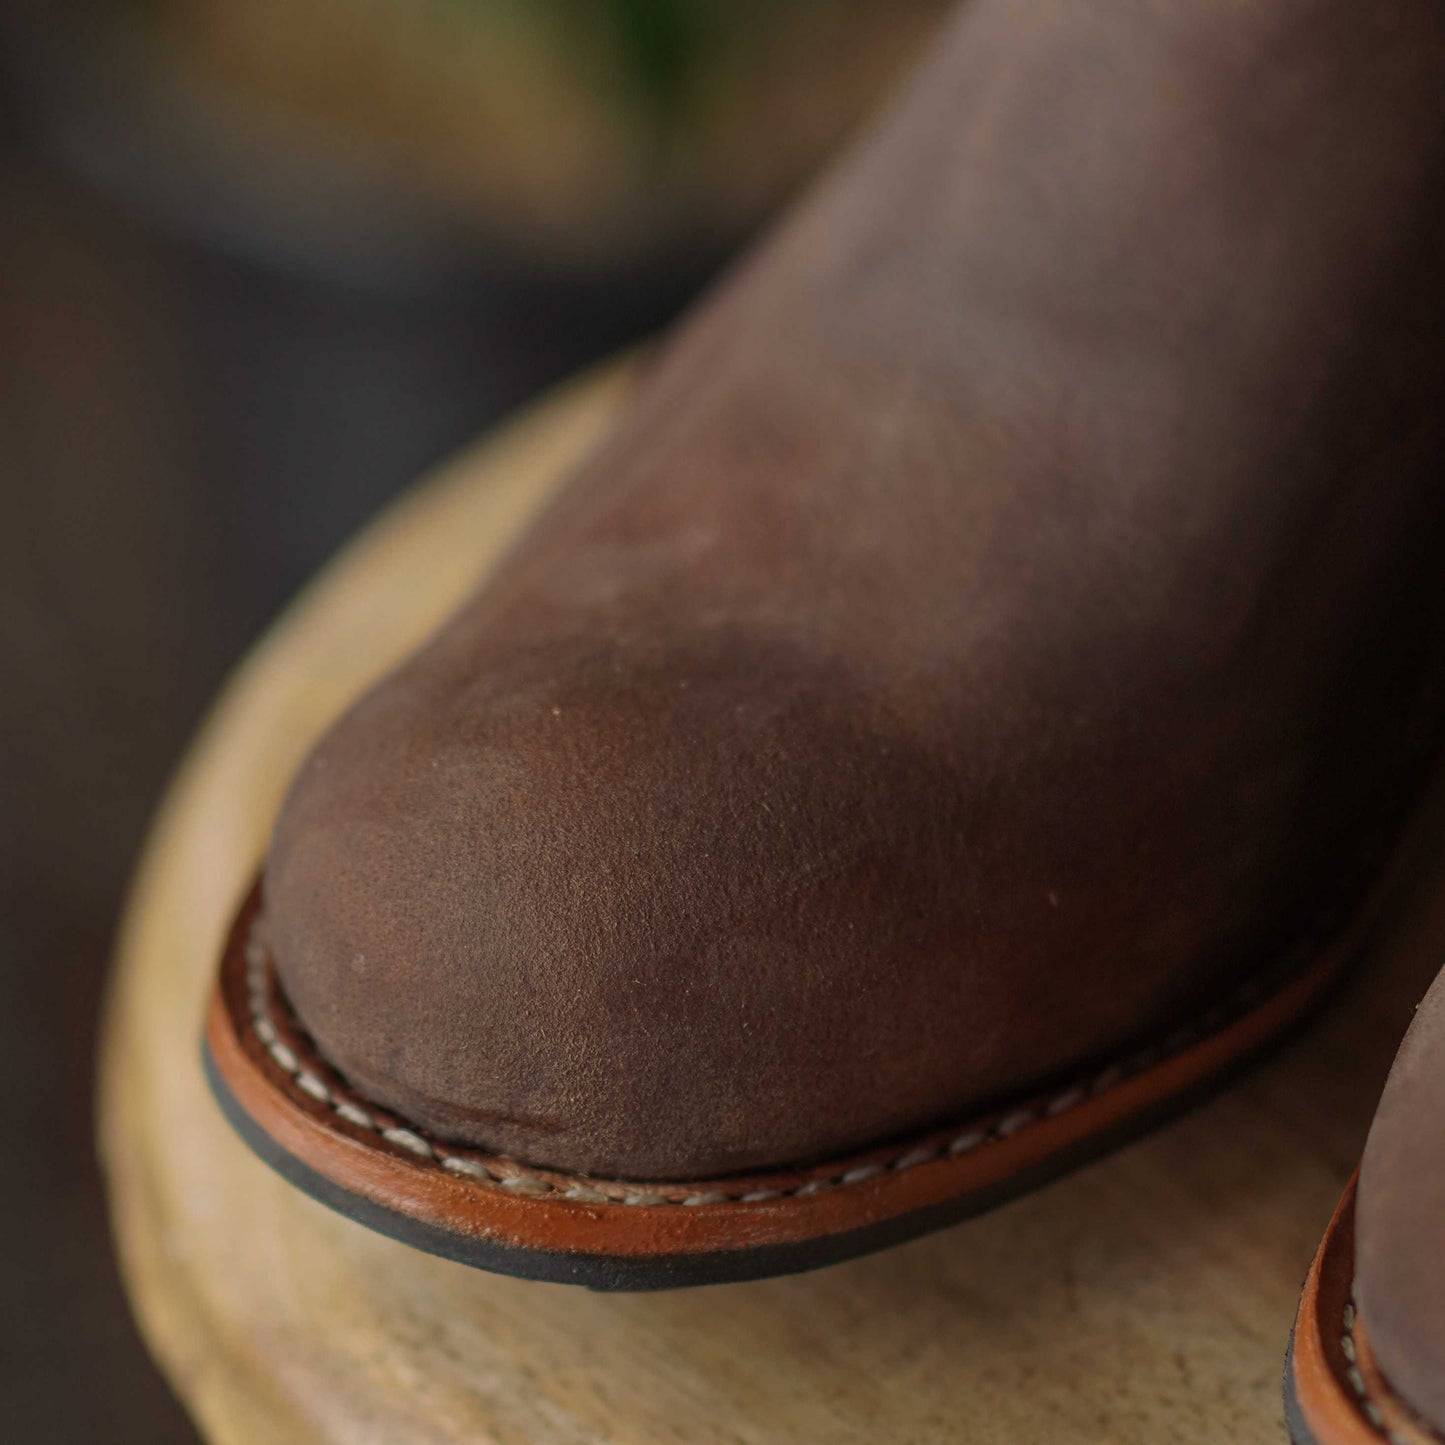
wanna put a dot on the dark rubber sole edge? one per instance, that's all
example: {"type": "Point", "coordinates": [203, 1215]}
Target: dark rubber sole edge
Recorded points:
{"type": "Point", "coordinates": [654, 1272]}
{"type": "Point", "coordinates": [1294, 1419]}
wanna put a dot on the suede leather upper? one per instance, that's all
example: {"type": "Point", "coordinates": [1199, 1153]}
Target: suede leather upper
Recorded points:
{"type": "Point", "coordinates": [988, 636]}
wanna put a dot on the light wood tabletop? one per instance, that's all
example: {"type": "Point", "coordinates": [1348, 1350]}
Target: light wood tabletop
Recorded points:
{"type": "Point", "coordinates": [1146, 1299]}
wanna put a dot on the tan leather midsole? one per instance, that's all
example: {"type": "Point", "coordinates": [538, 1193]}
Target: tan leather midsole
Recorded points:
{"type": "Point", "coordinates": [1338, 1385]}
{"type": "Point", "coordinates": [308, 1111]}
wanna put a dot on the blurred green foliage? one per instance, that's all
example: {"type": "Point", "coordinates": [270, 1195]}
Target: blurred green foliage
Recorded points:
{"type": "Point", "coordinates": [665, 42]}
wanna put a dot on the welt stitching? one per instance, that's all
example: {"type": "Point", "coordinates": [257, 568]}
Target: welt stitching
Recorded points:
{"type": "Point", "coordinates": [1368, 1407]}
{"type": "Point", "coordinates": [513, 1178]}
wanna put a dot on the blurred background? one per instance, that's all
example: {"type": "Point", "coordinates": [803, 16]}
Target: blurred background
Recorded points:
{"type": "Point", "coordinates": [261, 263]}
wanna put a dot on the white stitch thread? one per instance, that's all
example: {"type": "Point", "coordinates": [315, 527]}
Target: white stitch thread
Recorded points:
{"type": "Point", "coordinates": [1368, 1407]}
{"type": "Point", "coordinates": [1007, 1128]}
{"type": "Point", "coordinates": [526, 1184]}
{"type": "Point", "coordinates": [284, 1057]}
{"type": "Point", "coordinates": [353, 1115]}
{"type": "Point", "coordinates": [966, 1143]}
{"type": "Point", "coordinates": [469, 1167]}
{"type": "Point", "coordinates": [409, 1139]}
{"type": "Point", "coordinates": [817, 1186]}
{"type": "Point", "coordinates": [914, 1158]}
{"type": "Point", "coordinates": [535, 1185]}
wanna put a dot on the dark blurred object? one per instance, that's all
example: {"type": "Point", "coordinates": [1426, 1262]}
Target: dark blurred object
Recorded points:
{"type": "Point", "coordinates": [390, 223]}
{"type": "Point", "coordinates": [110, 633]}
{"type": "Point", "coordinates": [260, 264]}
{"type": "Point", "coordinates": [589, 131]}
{"type": "Point", "coordinates": [341, 333]}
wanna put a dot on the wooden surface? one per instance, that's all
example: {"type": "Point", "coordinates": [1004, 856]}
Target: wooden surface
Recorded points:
{"type": "Point", "coordinates": [1146, 1299]}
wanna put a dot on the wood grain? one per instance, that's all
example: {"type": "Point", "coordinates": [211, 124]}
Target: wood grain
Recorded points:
{"type": "Point", "coordinates": [1146, 1299]}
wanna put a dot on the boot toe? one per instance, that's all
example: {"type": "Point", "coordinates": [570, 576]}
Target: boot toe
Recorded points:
{"type": "Point", "coordinates": [659, 930]}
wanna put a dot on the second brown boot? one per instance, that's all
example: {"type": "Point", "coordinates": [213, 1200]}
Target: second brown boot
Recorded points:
{"type": "Point", "coordinates": [1367, 1358]}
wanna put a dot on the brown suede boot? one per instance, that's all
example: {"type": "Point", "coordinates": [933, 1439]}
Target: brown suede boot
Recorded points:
{"type": "Point", "coordinates": [957, 714]}
{"type": "Point", "coordinates": [1367, 1357]}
